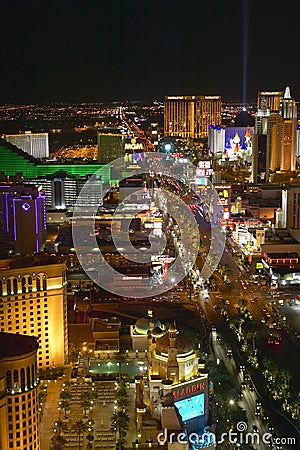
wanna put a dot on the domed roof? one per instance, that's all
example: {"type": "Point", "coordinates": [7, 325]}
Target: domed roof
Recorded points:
{"type": "Point", "coordinates": [183, 344]}
{"type": "Point", "coordinates": [144, 324]}
{"type": "Point", "coordinates": [244, 119]}
{"type": "Point", "coordinates": [157, 331]}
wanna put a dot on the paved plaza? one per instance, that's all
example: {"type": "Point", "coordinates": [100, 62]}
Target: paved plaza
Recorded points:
{"type": "Point", "coordinates": [102, 410]}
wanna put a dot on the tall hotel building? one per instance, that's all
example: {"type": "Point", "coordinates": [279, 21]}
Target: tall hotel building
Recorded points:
{"type": "Point", "coordinates": [110, 146]}
{"type": "Point", "coordinates": [19, 421]}
{"type": "Point", "coordinates": [288, 111]}
{"type": "Point", "coordinates": [62, 191]}
{"type": "Point", "coordinates": [260, 154]}
{"type": "Point", "coordinates": [22, 220]}
{"type": "Point", "coordinates": [216, 140]}
{"type": "Point", "coordinates": [190, 116]}
{"type": "Point", "coordinates": [35, 144]}
{"type": "Point", "coordinates": [33, 302]}
{"type": "Point", "coordinates": [274, 141]}
{"type": "Point", "coordinates": [272, 99]}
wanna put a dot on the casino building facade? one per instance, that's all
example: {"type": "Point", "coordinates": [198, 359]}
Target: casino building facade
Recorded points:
{"type": "Point", "coordinates": [33, 302]}
{"type": "Point", "coordinates": [19, 422]}
{"type": "Point", "coordinates": [173, 398]}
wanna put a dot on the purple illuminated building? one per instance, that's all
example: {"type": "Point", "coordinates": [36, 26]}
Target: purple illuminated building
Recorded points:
{"type": "Point", "coordinates": [22, 220]}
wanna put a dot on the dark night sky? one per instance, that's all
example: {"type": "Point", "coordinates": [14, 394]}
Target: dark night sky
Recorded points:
{"type": "Point", "coordinates": [72, 50]}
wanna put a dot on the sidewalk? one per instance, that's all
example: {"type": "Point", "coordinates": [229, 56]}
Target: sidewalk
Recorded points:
{"type": "Point", "coordinates": [50, 413]}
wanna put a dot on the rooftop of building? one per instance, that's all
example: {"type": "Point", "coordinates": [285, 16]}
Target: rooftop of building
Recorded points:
{"type": "Point", "coordinates": [19, 189]}
{"type": "Point", "coordinates": [183, 344]}
{"type": "Point", "coordinates": [28, 261]}
{"type": "Point", "coordinates": [286, 255]}
{"type": "Point", "coordinates": [16, 344]}
{"type": "Point", "coordinates": [106, 325]}
{"type": "Point", "coordinates": [143, 324]}
{"type": "Point", "coordinates": [79, 333]}
{"type": "Point", "coordinates": [278, 236]}
{"type": "Point", "coordinates": [275, 236]}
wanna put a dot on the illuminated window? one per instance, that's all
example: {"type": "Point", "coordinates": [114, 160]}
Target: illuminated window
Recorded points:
{"type": "Point", "coordinates": [22, 379]}
{"type": "Point", "coordinates": [8, 287]}
{"type": "Point", "coordinates": [28, 377]}
{"type": "Point", "coordinates": [44, 282]}
{"type": "Point", "coordinates": [29, 284]}
{"type": "Point", "coordinates": [23, 282]}
{"type": "Point", "coordinates": [16, 376]}
{"type": "Point", "coordinates": [15, 285]}
{"type": "Point", "coordinates": [38, 283]}
{"type": "Point", "coordinates": [32, 373]}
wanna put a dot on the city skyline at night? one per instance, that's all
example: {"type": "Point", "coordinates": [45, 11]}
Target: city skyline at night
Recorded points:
{"type": "Point", "coordinates": [150, 225]}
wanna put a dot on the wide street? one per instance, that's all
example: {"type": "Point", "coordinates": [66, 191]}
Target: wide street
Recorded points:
{"type": "Point", "coordinates": [249, 399]}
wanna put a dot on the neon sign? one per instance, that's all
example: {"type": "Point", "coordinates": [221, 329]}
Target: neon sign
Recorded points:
{"type": "Point", "coordinates": [189, 390]}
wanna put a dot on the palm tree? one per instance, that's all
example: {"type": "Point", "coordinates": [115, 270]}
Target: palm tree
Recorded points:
{"type": "Point", "coordinates": [271, 370]}
{"type": "Point", "coordinates": [79, 428]}
{"type": "Point", "coordinates": [122, 390]}
{"type": "Point", "coordinates": [57, 442]}
{"type": "Point", "coordinates": [251, 334]}
{"type": "Point", "coordinates": [92, 395]}
{"type": "Point", "coordinates": [65, 405]}
{"type": "Point", "coordinates": [90, 438]}
{"type": "Point", "coordinates": [73, 353]}
{"type": "Point", "coordinates": [85, 402]}
{"type": "Point", "coordinates": [59, 427]}
{"type": "Point", "coordinates": [120, 421]}
{"type": "Point", "coordinates": [120, 357]}
{"type": "Point", "coordinates": [122, 402]}
{"type": "Point", "coordinates": [42, 397]}
{"type": "Point", "coordinates": [285, 378]}
{"type": "Point", "coordinates": [122, 396]}
{"type": "Point", "coordinates": [296, 407]}
{"type": "Point", "coordinates": [65, 395]}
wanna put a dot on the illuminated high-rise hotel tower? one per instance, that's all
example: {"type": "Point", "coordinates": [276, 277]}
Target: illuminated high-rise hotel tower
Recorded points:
{"type": "Point", "coordinates": [287, 107]}
{"type": "Point", "coordinates": [190, 116]}
{"type": "Point", "coordinates": [35, 144]}
{"type": "Point", "coordinates": [19, 414]}
{"type": "Point", "coordinates": [22, 220]}
{"type": "Point", "coordinates": [288, 111]}
{"type": "Point", "coordinates": [261, 145]}
{"type": "Point", "coordinates": [34, 302]}
{"type": "Point", "coordinates": [272, 99]}
{"type": "Point", "coordinates": [274, 141]}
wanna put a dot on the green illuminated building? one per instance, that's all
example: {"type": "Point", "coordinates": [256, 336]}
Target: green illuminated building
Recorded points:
{"type": "Point", "coordinates": [14, 161]}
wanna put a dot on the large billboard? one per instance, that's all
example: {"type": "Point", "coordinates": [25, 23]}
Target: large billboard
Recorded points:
{"type": "Point", "coordinates": [191, 407]}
